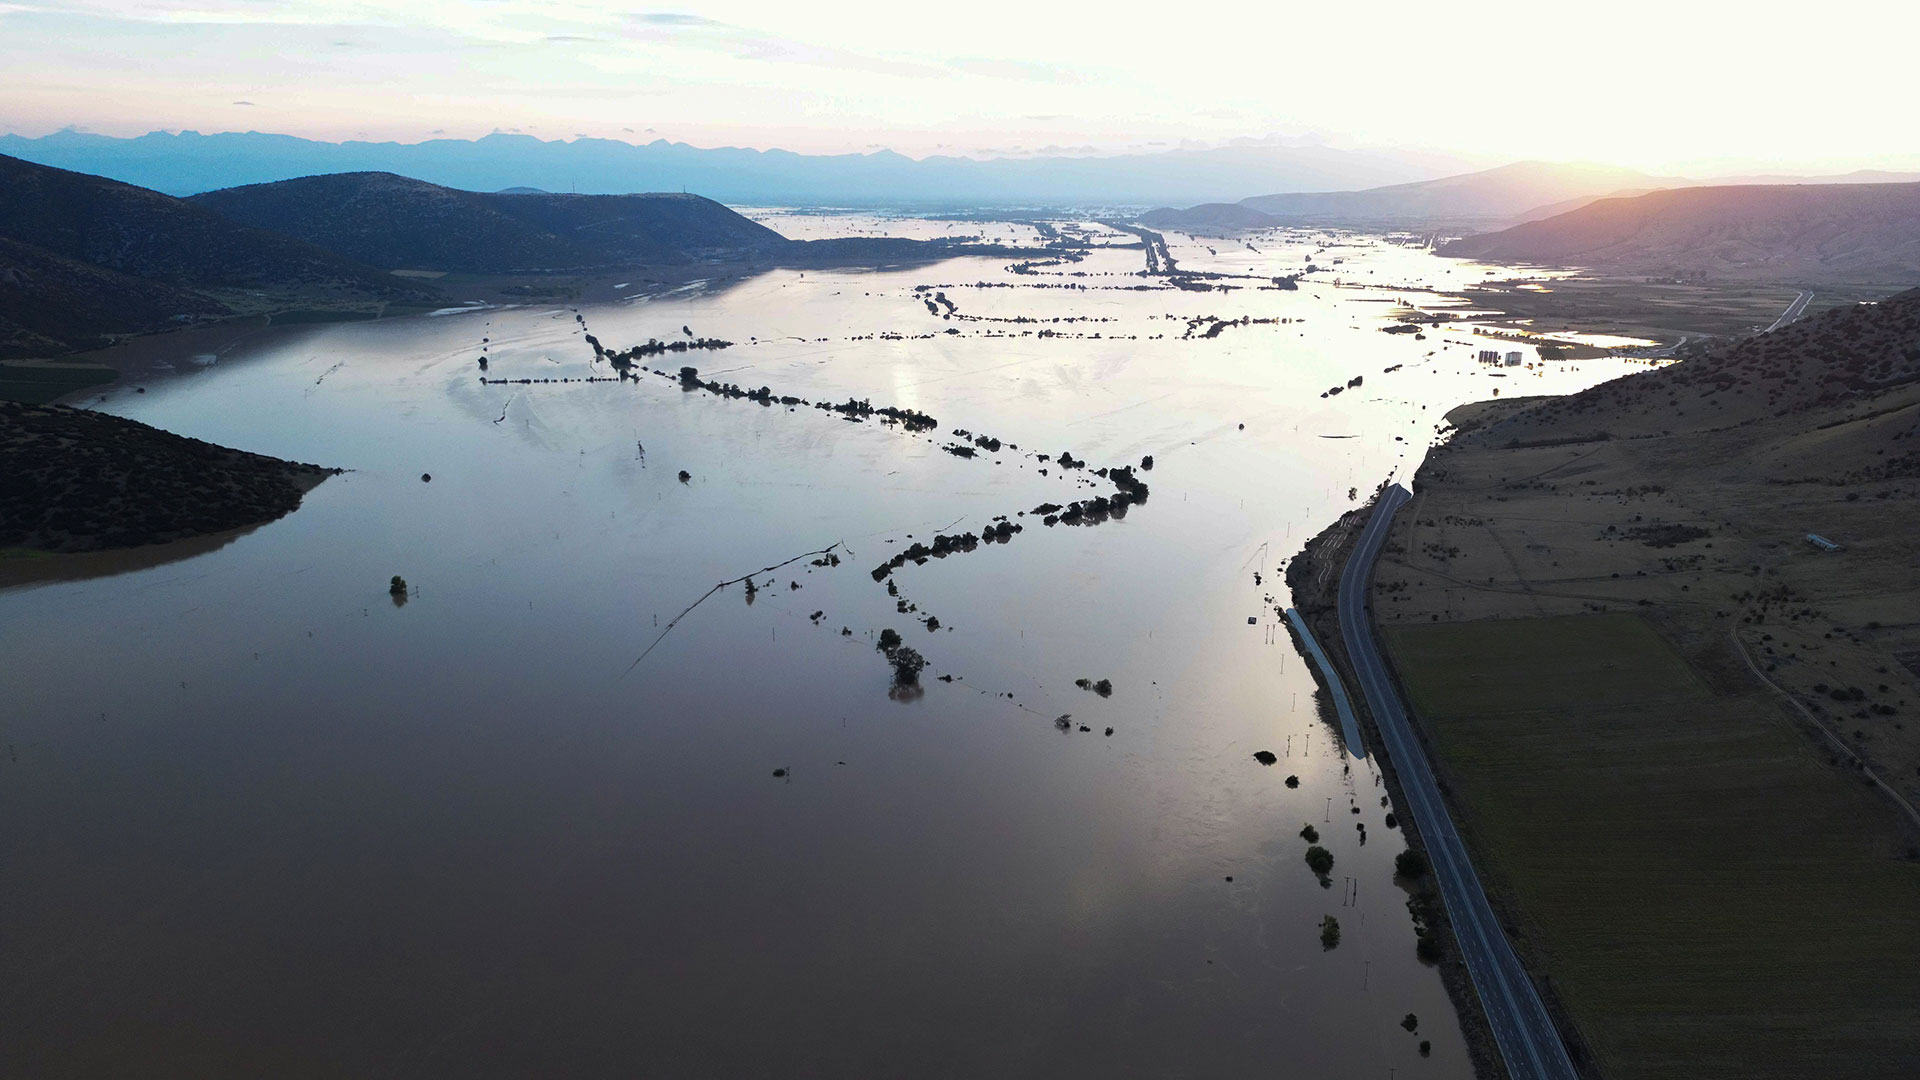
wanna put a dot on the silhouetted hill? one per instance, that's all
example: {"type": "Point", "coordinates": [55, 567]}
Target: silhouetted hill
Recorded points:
{"type": "Point", "coordinates": [394, 222]}
{"type": "Point", "coordinates": [149, 235]}
{"type": "Point", "coordinates": [1208, 217]}
{"type": "Point", "coordinates": [1867, 233]}
{"type": "Point", "coordinates": [83, 258]}
{"type": "Point", "coordinates": [189, 162]}
{"type": "Point", "coordinates": [1495, 195]}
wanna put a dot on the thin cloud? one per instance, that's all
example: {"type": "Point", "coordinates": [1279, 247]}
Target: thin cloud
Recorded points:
{"type": "Point", "coordinates": [1019, 70]}
{"type": "Point", "coordinates": [743, 43]}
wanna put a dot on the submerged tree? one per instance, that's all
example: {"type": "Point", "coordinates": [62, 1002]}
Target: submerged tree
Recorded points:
{"type": "Point", "coordinates": [1320, 861]}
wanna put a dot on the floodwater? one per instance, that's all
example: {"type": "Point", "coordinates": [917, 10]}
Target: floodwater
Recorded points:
{"type": "Point", "coordinates": [261, 820]}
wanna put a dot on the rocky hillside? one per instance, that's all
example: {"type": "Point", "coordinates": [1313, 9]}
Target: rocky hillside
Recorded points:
{"type": "Point", "coordinates": [1864, 233]}
{"type": "Point", "coordinates": [51, 305]}
{"type": "Point", "coordinates": [1834, 359]}
{"type": "Point", "coordinates": [74, 480]}
{"type": "Point", "coordinates": [394, 222]}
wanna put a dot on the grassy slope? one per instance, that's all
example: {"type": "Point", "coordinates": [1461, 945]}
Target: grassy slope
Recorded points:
{"type": "Point", "coordinates": [1710, 898]}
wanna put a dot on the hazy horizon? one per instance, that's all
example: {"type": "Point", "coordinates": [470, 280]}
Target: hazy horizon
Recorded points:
{"type": "Point", "coordinates": [1004, 81]}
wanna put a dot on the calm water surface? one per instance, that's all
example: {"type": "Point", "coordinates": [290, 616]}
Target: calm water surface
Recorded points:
{"type": "Point", "coordinates": [259, 820]}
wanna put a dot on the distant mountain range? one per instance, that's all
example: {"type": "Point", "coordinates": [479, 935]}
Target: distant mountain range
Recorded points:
{"type": "Point", "coordinates": [1510, 194]}
{"type": "Point", "coordinates": [188, 163]}
{"type": "Point", "coordinates": [1865, 233]}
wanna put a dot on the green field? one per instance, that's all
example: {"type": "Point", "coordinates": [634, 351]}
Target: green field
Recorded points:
{"type": "Point", "coordinates": [1708, 896]}
{"type": "Point", "coordinates": [38, 384]}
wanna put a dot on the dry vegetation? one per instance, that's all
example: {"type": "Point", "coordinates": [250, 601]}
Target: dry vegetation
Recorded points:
{"type": "Point", "coordinates": [1719, 873]}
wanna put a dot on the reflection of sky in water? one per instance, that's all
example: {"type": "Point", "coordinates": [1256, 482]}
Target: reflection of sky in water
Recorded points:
{"type": "Point", "coordinates": [453, 836]}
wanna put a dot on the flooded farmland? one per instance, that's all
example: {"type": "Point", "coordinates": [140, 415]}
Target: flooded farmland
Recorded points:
{"type": "Point", "coordinates": [561, 805]}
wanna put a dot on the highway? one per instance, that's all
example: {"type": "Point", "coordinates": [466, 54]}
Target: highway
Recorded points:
{"type": "Point", "coordinates": [1794, 311]}
{"type": "Point", "coordinates": [1525, 1033]}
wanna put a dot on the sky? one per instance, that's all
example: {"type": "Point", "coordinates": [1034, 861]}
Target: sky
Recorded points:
{"type": "Point", "coordinates": [1677, 86]}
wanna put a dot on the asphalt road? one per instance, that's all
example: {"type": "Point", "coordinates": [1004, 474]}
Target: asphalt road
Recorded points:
{"type": "Point", "coordinates": [1526, 1035]}
{"type": "Point", "coordinates": [1794, 311]}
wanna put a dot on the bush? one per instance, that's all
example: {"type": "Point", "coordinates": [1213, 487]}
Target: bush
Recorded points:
{"type": "Point", "coordinates": [1427, 949]}
{"type": "Point", "coordinates": [889, 640]}
{"type": "Point", "coordinates": [1319, 860]}
{"type": "Point", "coordinates": [1310, 834]}
{"type": "Point", "coordinates": [1410, 864]}
{"type": "Point", "coordinates": [1329, 932]}
{"type": "Point", "coordinates": [907, 665]}
{"type": "Point", "coordinates": [1410, 1022]}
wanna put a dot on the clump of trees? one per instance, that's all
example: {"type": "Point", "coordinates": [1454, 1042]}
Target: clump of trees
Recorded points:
{"type": "Point", "coordinates": [1310, 834]}
{"type": "Point", "coordinates": [906, 660]}
{"type": "Point", "coordinates": [1329, 933]}
{"type": "Point", "coordinates": [1410, 864]}
{"type": "Point", "coordinates": [1320, 861]}
{"type": "Point", "coordinates": [397, 587]}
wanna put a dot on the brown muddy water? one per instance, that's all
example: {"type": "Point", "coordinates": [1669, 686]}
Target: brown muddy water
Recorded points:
{"type": "Point", "coordinates": [259, 819]}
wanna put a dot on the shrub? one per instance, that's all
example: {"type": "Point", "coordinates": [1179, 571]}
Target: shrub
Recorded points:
{"type": "Point", "coordinates": [1310, 834]}
{"type": "Point", "coordinates": [1410, 864]}
{"type": "Point", "coordinates": [1329, 932]}
{"type": "Point", "coordinates": [1319, 860]}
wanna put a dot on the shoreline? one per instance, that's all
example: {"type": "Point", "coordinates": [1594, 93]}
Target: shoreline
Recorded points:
{"type": "Point", "coordinates": [1313, 577]}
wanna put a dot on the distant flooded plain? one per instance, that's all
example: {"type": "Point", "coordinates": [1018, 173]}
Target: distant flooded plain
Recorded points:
{"type": "Point", "coordinates": [261, 818]}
